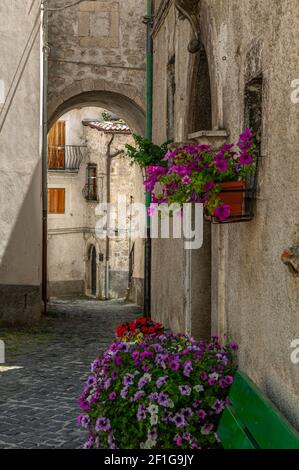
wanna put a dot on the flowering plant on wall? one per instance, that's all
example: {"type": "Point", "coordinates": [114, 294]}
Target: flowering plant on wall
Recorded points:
{"type": "Point", "coordinates": [166, 392]}
{"type": "Point", "coordinates": [197, 173]}
{"type": "Point", "coordinates": [138, 329]}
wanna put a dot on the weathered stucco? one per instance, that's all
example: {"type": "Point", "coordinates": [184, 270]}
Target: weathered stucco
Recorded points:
{"type": "Point", "coordinates": [254, 297]}
{"type": "Point", "coordinates": [20, 176]}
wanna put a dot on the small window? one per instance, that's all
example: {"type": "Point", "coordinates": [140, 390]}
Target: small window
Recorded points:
{"type": "Point", "coordinates": [91, 192]}
{"type": "Point", "coordinates": [171, 87]}
{"type": "Point", "coordinates": [56, 201]}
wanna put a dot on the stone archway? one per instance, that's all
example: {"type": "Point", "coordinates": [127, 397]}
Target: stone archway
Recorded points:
{"type": "Point", "coordinates": [122, 100]}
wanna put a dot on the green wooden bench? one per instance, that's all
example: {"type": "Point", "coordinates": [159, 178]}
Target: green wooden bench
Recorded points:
{"type": "Point", "coordinates": [251, 421]}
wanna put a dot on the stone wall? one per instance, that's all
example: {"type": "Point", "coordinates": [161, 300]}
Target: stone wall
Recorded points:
{"type": "Point", "coordinates": [254, 297]}
{"type": "Point", "coordinates": [97, 57]}
{"type": "Point", "coordinates": [20, 176]}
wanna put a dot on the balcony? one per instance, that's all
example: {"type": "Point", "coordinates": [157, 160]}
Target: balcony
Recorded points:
{"type": "Point", "coordinates": [66, 157]}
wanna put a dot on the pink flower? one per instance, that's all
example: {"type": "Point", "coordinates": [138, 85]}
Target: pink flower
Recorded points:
{"type": "Point", "coordinates": [112, 396]}
{"type": "Point", "coordinates": [246, 159]}
{"type": "Point", "coordinates": [179, 441]}
{"type": "Point", "coordinates": [222, 212]}
{"type": "Point", "coordinates": [186, 179]}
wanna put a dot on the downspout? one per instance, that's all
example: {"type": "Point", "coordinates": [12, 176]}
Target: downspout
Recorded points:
{"type": "Point", "coordinates": [108, 200]}
{"type": "Point", "coordinates": [45, 158]}
{"type": "Point", "coordinates": [148, 135]}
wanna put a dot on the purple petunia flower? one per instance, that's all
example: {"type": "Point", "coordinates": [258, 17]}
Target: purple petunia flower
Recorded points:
{"type": "Point", "coordinates": [128, 379]}
{"type": "Point", "coordinates": [222, 383]}
{"type": "Point", "coordinates": [112, 396]}
{"type": "Point", "coordinates": [153, 396]}
{"type": "Point", "coordinates": [114, 375]}
{"type": "Point", "coordinates": [103, 424]}
{"type": "Point", "coordinates": [179, 420]}
{"type": "Point", "coordinates": [174, 365]}
{"type": "Point", "coordinates": [187, 412]}
{"type": "Point", "coordinates": [124, 392]}
{"type": "Point", "coordinates": [185, 390]}
{"type": "Point", "coordinates": [204, 376]}
{"type": "Point", "coordinates": [83, 420]}
{"type": "Point", "coordinates": [201, 414]}
{"type": "Point", "coordinates": [222, 212]}
{"type": "Point", "coordinates": [186, 179]}
{"type": "Point", "coordinates": [208, 186]}
{"type": "Point", "coordinates": [138, 395]}
{"type": "Point", "coordinates": [187, 368]}
{"type": "Point", "coordinates": [246, 159]}
{"type": "Point", "coordinates": [218, 406]}
{"type": "Point", "coordinates": [91, 381]}
{"type": "Point", "coordinates": [229, 379]}
{"type": "Point", "coordinates": [163, 399]}
{"type": "Point", "coordinates": [178, 440]}
{"type": "Point", "coordinates": [234, 346]}
{"type": "Point", "coordinates": [207, 428]}
{"type": "Point", "coordinates": [161, 381]}
{"type": "Point", "coordinates": [141, 413]}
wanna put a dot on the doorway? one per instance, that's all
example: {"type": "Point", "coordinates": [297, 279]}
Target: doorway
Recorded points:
{"type": "Point", "coordinates": [93, 259]}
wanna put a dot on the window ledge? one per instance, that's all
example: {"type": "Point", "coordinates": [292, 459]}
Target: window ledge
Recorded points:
{"type": "Point", "coordinates": [215, 137]}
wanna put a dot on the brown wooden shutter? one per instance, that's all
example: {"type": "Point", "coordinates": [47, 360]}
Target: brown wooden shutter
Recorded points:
{"type": "Point", "coordinates": [56, 145]}
{"type": "Point", "coordinates": [56, 201]}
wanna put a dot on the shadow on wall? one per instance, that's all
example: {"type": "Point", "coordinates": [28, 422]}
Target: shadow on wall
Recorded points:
{"type": "Point", "coordinates": [21, 262]}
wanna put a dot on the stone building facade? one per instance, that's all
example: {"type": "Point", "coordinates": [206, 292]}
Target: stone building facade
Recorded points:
{"type": "Point", "coordinates": [20, 162]}
{"type": "Point", "coordinates": [78, 262]}
{"type": "Point", "coordinates": [97, 58]}
{"type": "Point", "coordinates": [243, 70]}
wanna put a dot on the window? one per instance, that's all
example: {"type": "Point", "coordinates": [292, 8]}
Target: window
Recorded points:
{"type": "Point", "coordinates": [170, 98]}
{"type": "Point", "coordinates": [56, 146]}
{"type": "Point", "coordinates": [91, 189]}
{"type": "Point", "coordinates": [200, 96]}
{"type": "Point", "coordinates": [56, 200]}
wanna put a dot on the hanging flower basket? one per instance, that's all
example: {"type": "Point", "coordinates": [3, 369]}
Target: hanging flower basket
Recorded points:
{"type": "Point", "coordinates": [215, 178]}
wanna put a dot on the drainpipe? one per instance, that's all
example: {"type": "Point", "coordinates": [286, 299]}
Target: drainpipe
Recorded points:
{"type": "Point", "coordinates": [148, 135]}
{"type": "Point", "coordinates": [45, 157]}
{"type": "Point", "coordinates": [108, 200]}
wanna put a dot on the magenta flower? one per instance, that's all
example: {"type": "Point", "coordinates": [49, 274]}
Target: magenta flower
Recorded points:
{"type": "Point", "coordinates": [222, 165]}
{"type": "Point", "coordinates": [209, 186]}
{"type": "Point", "coordinates": [103, 425]}
{"type": "Point", "coordinates": [222, 212]}
{"type": "Point", "coordinates": [186, 179]}
{"type": "Point", "coordinates": [201, 414]}
{"type": "Point", "coordinates": [229, 379]}
{"type": "Point", "coordinates": [234, 345]}
{"type": "Point", "coordinates": [246, 159]}
{"type": "Point", "coordinates": [112, 396]}
{"type": "Point", "coordinates": [178, 440]}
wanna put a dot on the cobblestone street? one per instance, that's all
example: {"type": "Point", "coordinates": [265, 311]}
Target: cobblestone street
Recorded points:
{"type": "Point", "coordinates": [38, 402]}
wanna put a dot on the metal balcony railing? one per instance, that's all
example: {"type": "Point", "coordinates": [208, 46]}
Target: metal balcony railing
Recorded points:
{"type": "Point", "coordinates": [66, 157]}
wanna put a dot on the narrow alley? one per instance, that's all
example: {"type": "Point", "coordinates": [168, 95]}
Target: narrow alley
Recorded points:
{"type": "Point", "coordinates": [38, 402]}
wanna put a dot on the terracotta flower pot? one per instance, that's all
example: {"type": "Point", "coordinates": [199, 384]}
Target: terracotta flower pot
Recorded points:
{"type": "Point", "coordinates": [233, 194]}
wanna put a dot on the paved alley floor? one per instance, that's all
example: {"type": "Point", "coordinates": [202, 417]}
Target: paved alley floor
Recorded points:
{"type": "Point", "coordinates": [38, 402]}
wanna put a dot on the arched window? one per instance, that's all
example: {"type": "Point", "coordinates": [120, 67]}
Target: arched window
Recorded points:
{"type": "Point", "coordinates": [200, 96]}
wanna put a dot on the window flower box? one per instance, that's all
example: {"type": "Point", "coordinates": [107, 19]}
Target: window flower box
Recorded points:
{"type": "Point", "coordinates": [216, 178]}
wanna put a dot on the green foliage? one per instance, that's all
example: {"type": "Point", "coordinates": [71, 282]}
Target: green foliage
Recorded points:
{"type": "Point", "coordinates": [145, 152]}
{"type": "Point", "coordinates": [106, 116]}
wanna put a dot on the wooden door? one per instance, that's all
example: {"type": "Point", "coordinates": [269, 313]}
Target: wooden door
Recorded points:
{"type": "Point", "coordinates": [56, 146]}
